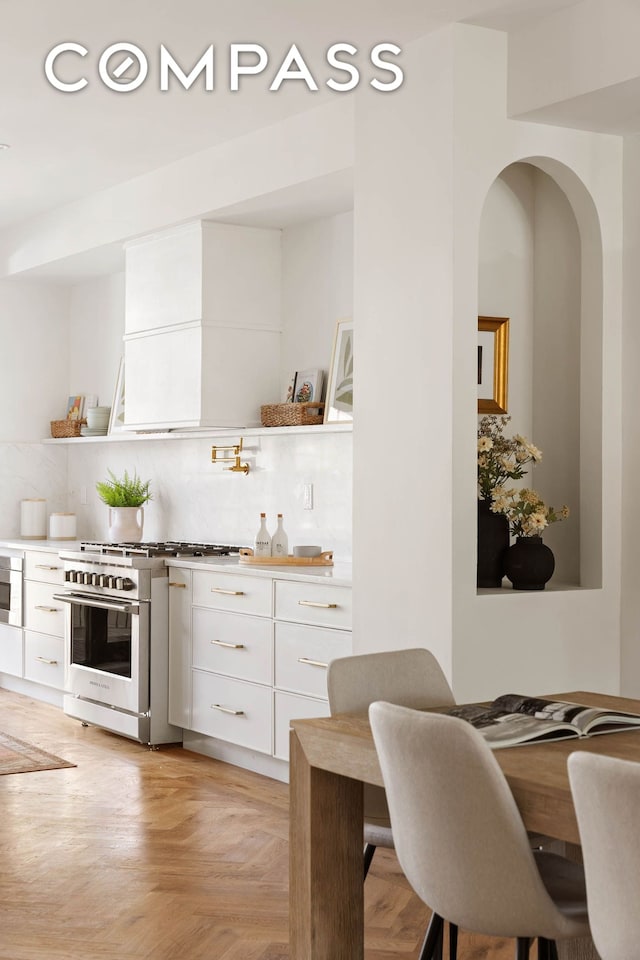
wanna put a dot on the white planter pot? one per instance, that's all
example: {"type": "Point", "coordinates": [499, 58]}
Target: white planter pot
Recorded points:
{"type": "Point", "coordinates": [125, 524]}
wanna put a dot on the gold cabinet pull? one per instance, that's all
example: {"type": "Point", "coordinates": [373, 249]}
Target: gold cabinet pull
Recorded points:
{"type": "Point", "coordinates": [314, 603]}
{"type": "Point", "coordinates": [234, 713]}
{"type": "Point", "coordinates": [47, 609]}
{"type": "Point", "coordinates": [50, 663]}
{"type": "Point", "coordinates": [176, 583]}
{"type": "Point", "coordinates": [46, 566]}
{"type": "Point", "coordinates": [228, 593]}
{"type": "Point", "coordinates": [312, 663]}
{"type": "Point", "coordinates": [231, 646]}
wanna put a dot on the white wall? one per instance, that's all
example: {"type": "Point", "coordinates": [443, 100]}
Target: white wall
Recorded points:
{"type": "Point", "coordinates": [553, 640]}
{"type": "Point", "coordinates": [317, 290]}
{"type": "Point", "coordinates": [33, 391]}
{"type": "Point", "coordinates": [403, 370]}
{"type": "Point", "coordinates": [630, 600]}
{"type": "Point", "coordinates": [34, 359]}
{"type": "Point", "coordinates": [96, 329]}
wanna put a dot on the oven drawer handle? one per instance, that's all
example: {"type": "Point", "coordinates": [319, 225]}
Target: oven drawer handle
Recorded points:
{"type": "Point", "coordinates": [234, 713]}
{"type": "Point", "coordinates": [314, 603]}
{"type": "Point", "coordinates": [231, 646]}
{"type": "Point", "coordinates": [312, 663]}
{"type": "Point", "coordinates": [47, 609]}
{"type": "Point", "coordinates": [229, 593]}
{"type": "Point", "coordinates": [81, 600]}
{"type": "Point", "coordinates": [46, 566]}
{"type": "Point", "coordinates": [50, 663]}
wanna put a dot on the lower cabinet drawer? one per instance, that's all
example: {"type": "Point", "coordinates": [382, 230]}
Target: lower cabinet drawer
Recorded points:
{"type": "Point", "coordinates": [290, 707]}
{"type": "Point", "coordinates": [44, 659]}
{"type": "Point", "coordinates": [232, 710]}
{"type": "Point", "coordinates": [326, 605]}
{"type": "Point", "coordinates": [11, 649]}
{"type": "Point", "coordinates": [233, 645]}
{"type": "Point", "coordinates": [302, 655]}
{"type": "Point", "coordinates": [41, 612]}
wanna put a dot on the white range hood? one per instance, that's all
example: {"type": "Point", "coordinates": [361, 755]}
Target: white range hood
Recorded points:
{"type": "Point", "coordinates": [202, 326]}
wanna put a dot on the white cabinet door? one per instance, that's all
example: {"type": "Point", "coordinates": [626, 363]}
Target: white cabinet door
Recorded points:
{"type": "Point", "coordinates": [236, 646]}
{"type": "Point", "coordinates": [11, 650]}
{"type": "Point", "coordinates": [232, 710]}
{"type": "Point", "coordinates": [288, 707]}
{"type": "Point", "coordinates": [302, 655]}
{"type": "Point", "coordinates": [179, 646]}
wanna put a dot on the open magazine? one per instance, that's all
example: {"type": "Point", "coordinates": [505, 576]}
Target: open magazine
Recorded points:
{"type": "Point", "coordinates": [513, 719]}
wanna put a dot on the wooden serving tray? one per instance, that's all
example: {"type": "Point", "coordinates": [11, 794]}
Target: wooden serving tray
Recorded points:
{"type": "Point", "coordinates": [325, 559]}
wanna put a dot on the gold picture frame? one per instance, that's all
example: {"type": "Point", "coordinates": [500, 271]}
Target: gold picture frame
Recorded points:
{"type": "Point", "coordinates": [493, 364]}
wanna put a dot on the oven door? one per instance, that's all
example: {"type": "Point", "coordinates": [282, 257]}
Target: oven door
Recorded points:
{"type": "Point", "coordinates": [107, 650]}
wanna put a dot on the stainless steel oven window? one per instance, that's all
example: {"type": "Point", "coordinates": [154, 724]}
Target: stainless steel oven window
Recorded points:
{"type": "Point", "coordinates": [101, 639]}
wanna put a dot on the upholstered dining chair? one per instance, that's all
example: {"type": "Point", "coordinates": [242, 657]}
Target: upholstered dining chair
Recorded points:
{"type": "Point", "coordinates": [460, 839]}
{"type": "Point", "coordinates": [412, 677]}
{"type": "Point", "coordinates": [606, 795]}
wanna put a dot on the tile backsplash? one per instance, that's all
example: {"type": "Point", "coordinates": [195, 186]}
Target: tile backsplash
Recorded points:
{"type": "Point", "coordinates": [193, 499]}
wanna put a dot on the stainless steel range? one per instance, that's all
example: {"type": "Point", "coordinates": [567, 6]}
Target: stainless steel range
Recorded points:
{"type": "Point", "coordinates": [116, 635]}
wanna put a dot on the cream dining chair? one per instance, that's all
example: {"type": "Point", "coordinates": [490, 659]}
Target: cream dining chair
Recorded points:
{"type": "Point", "coordinates": [411, 677]}
{"type": "Point", "coordinates": [460, 839]}
{"type": "Point", "coordinates": [606, 795]}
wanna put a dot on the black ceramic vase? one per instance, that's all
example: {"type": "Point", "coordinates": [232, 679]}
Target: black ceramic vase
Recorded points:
{"type": "Point", "coordinates": [493, 543]}
{"type": "Point", "coordinates": [529, 563]}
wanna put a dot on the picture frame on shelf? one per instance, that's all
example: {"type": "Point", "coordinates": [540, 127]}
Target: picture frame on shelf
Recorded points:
{"type": "Point", "coordinates": [75, 407]}
{"type": "Point", "coordinates": [493, 364]}
{"type": "Point", "coordinates": [290, 389]}
{"type": "Point", "coordinates": [339, 400]}
{"type": "Point", "coordinates": [308, 386]}
{"type": "Point", "coordinates": [116, 419]}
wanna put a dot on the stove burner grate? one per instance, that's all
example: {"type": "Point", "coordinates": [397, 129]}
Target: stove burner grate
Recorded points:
{"type": "Point", "coordinates": [169, 548]}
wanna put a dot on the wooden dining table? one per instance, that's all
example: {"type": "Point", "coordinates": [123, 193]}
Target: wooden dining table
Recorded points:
{"type": "Point", "coordinates": [331, 757]}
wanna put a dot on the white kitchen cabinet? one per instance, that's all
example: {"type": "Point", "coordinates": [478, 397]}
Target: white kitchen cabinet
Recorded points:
{"type": "Point", "coordinates": [249, 653]}
{"type": "Point", "coordinates": [43, 620]}
{"type": "Point", "coordinates": [11, 650]}
{"type": "Point", "coordinates": [232, 658]}
{"type": "Point", "coordinates": [312, 627]}
{"type": "Point", "coordinates": [202, 326]}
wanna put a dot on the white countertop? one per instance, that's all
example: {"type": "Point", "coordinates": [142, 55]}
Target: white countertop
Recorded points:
{"type": "Point", "coordinates": [339, 573]}
{"type": "Point", "coordinates": [49, 546]}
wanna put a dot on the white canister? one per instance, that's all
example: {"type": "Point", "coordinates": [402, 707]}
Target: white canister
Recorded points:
{"type": "Point", "coordinates": [62, 526]}
{"type": "Point", "coordinates": [33, 519]}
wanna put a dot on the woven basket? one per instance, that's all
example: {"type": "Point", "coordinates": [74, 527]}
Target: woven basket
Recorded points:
{"type": "Point", "coordinates": [66, 428]}
{"type": "Point", "coordinates": [292, 414]}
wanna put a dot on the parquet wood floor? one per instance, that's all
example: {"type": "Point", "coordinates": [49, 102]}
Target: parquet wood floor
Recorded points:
{"type": "Point", "coordinates": [161, 855]}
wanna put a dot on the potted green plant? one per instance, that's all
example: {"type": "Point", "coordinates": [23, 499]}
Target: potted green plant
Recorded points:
{"type": "Point", "coordinates": [125, 497]}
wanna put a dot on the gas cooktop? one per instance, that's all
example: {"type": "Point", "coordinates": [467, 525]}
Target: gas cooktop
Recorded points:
{"type": "Point", "coordinates": [168, 548]}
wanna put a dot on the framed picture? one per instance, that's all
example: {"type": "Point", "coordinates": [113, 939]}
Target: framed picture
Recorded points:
{"type": "Point", "coordinates": [339, 402]}
{"type": "Point", "coordinates": [493, 364]}
{"type": "Point", "coordinates": [74, 408]}
{"type": "Point", "coordinates": [308, 386]}
{"type": "Point", "coordinates": [116, 419]}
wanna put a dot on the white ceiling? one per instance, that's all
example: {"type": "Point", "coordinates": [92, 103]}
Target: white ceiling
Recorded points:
{"type": "Point", "coordinates": [67, 146]}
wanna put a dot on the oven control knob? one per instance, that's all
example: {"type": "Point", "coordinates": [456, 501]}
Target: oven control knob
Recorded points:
{"type": "Point", "coordinates": [74, 576]}
{"type": "Point", "coordinates": [119, 583]}
{"type": "Point", "coordinates": [95, 579]}
{"type": "Point", "coordinates": [103, 580]}
{"type": "Point", "coordinates": [109, 580]}
{"type": "Point", "coordinates": [127, 584]}
{"type": "Point", "coordinates": [69, 576]}
{"type": "Point", "coordinates": [86, 578]}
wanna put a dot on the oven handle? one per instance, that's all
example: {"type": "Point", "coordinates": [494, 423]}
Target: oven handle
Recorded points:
{"type": "Point", "coordinates": [84, 600]}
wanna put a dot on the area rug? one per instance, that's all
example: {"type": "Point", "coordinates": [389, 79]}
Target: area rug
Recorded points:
{"type": "Point", "coordinates": [16, 756]}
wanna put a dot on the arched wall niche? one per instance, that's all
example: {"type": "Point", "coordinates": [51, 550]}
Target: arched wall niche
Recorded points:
{"type": "Point", "coordinates": [540, 264]}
